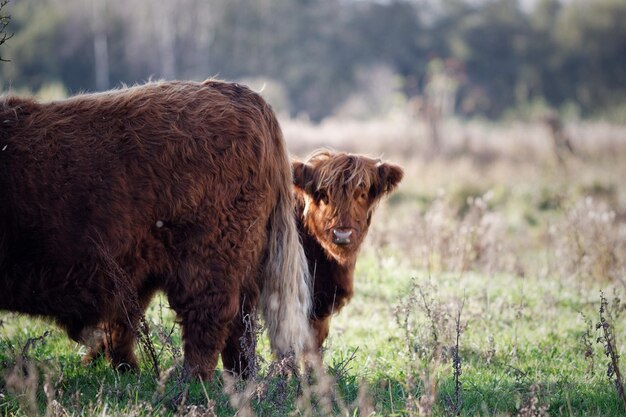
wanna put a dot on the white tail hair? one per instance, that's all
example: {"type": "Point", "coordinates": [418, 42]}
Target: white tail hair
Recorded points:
{"type": "Point", "coordinates": [286, 296]}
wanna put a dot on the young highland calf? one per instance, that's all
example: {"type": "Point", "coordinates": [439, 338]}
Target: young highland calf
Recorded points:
{"type": "Point", "coordinates": [180, 186]}
{"type": "Point", "coordinates": [336, 195]}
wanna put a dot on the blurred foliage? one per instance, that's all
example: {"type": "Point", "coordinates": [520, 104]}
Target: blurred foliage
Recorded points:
{"type": "Point", "coordinates": [561, 54]}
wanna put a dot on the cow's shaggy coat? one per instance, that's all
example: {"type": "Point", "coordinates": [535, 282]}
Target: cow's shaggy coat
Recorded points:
{"type": "Point", "coordinates": [336, 196]}
{"type": "Point", "coordinates": [181, 186]}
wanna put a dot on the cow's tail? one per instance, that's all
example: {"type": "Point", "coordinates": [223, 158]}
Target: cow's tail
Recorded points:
{"type": "Point", "coordinates": [286, 295]}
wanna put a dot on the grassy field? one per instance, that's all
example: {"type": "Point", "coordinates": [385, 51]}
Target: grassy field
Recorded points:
{"type": "Point", "coordinates": [478, 292]}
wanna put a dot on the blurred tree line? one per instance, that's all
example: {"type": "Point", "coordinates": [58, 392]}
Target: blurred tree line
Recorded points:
{"type": "Point", "coordinates": [315, 55]}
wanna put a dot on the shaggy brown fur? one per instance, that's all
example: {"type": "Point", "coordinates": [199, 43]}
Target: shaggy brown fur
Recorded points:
{"type": "Point", "coordinates": [336, 196]}
{"type": "Point", "coordinates": [181, 186]}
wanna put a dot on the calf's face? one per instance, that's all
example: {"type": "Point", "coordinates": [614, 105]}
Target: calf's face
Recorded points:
{"type": "Point", "coordinates": [340, 192]}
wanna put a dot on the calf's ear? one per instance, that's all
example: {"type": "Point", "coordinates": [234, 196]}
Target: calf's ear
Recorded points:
{"type": "Point", "coordinates": [389, 176]}
{"type": "Point", "coordinates": [302, 176]}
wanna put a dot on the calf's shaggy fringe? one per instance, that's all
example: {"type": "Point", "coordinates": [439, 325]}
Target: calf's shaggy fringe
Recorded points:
{"type": "Point", "coordinates": [185, 186]}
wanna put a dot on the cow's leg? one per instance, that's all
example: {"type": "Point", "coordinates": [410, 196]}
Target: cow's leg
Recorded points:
{"type": "Point", "coordinates": [120, 340]}
{"type": "Point", "coordinates": [124, 333]}
{"type": "Point", "coordinates": [206, 300]}
{"type": "Point", "coordinates": [320, 328]}
{"type": "Point", "coordinates": [116, 339]}
{"type": "Point", "coordinates": [113, 339]}
{"type": "Point", "coordinates": [94, 339]}
{"type": "Point", "coordinates": [239, 353]}
{"type": "Point", "coordinates": [206, 322]}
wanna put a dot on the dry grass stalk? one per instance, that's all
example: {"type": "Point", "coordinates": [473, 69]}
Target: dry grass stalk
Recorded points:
{"type": "Point", "coordinates": [128, 300]}
{"type": "Point", "coordinates": [23, 379]}
{"type": "Point", "coordinates": [428, 399]}
{"type": "Point", "coordinates": [365, 406]}
{"type": "Point", "coordinates": [456, 403]}
{"type": "Point", "coordinates": [607, 338]}
{"type": "Point", "coordinates": [421, 310]}
{"type": "Point", "coordinates": [426, 322]}
{"type": "Point", "coordinates": [240, 398]}
{"type": "Point", "coordinates": [588, 244]}
{"type": "Point", "coordinates": [459, 237]}
{"type": "Point", "coordinates": [318, 390]}
{"type": "Point", "coordinates": [197, 411]}
{"type": "Point", "coordinates": [532, 408]}
{"type": "Point", "coordinates": [55, 409]}
{"type": "Point", "coordinates": [23, 382]}
{"type": "Point", "coordinates": [587, 342]}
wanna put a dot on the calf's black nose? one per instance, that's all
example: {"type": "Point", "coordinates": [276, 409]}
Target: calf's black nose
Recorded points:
{"type": "Point", "coordinates": [342, 236]}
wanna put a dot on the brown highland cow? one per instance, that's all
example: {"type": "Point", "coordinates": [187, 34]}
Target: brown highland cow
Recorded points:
{"type": "Point", "coordinates": [180, 186]}
{"type": "Point", "coordinates": [336, 196]}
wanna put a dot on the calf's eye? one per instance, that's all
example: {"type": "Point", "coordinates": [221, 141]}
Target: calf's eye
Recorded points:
{"type": "Point", "coordinates": [320, 195]}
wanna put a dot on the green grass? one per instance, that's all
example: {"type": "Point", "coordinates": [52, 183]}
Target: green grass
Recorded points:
{"type": "Point", "coordinates": [536, 328]}
{"type": "Point", "coordinates": [518, 333]}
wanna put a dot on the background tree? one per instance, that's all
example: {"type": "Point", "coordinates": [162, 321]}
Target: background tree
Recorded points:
{"type": "Point", "coordinates": [4, 22]}
{"type": "Point", "coordinates": [319, 54]}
